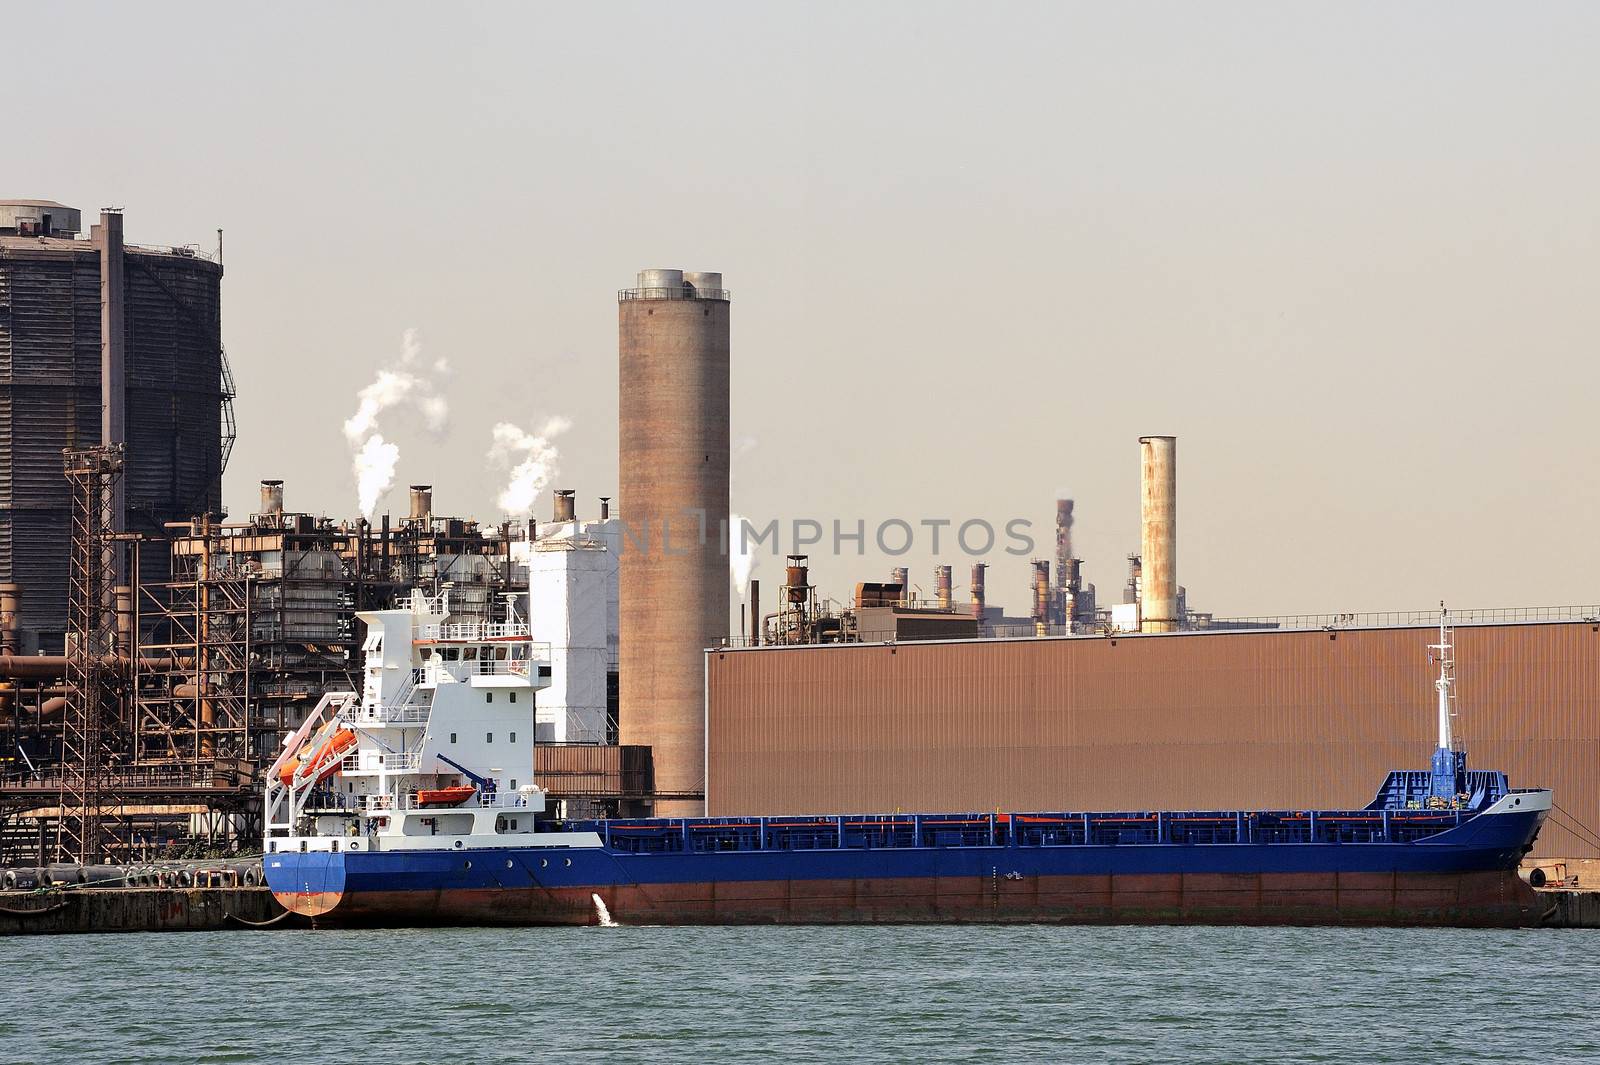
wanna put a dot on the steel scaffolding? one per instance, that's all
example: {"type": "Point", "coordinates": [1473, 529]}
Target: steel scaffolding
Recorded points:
{"type": "Point", "coordinates": [93, 675]}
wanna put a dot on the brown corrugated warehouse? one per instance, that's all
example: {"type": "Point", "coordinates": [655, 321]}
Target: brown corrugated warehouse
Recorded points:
{"type": "Point", "coordinates": [1263, 719]}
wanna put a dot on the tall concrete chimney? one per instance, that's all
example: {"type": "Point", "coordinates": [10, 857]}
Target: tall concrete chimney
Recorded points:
{"type": "Point", "coordinates": [1158, 536]}
{"type": "Point", "coordinates": [673, 448]}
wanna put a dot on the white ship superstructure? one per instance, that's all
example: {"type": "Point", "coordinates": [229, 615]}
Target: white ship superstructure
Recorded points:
{"type": "Point", "coordinates": [436, 751]}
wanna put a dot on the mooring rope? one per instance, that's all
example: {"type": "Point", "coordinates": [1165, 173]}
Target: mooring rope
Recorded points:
{"type": "Point", "coordinates": [257, 924]}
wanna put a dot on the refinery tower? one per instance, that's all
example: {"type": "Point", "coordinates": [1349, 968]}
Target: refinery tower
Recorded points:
{"type": "Point", "coordinates": [673, 450]}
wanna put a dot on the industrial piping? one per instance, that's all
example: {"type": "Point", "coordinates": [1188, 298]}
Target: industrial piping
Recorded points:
{"type": "Point", "coordinates": [1158, 534]}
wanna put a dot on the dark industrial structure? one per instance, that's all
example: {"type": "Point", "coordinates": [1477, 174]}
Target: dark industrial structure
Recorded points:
{"type": "Point", "coordinates": [101, 342]}
{"type": "Point", "coordinates": [1207, 720]}
{"type": "Point", "coordinates": [674, 450]}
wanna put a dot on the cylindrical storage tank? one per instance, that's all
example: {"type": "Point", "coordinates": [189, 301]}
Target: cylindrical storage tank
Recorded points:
{"type": "Point", "coordinates": [271, 499]}
{"type": "Point", "coordinates": [902, 576]}
{"type": "Point", "coordinates": [941, 583]}
{"type": "Point", "coordinates": [796, 580]}
{"type": "Point", "coordinates": [421, 502]}
{"type": "Point", "coordinates": [566, 505]}
{"type": "Point", "coordinates": [50, 362]}
{"type": "Point", "coordinates": [706, 285]}
{"type": "Point", "coordinates": [977, 590]}
{"type": "Point", "coordinates": [673, 455]}
{"type": "Point", "coordinates": [1158, 533]}
{"type": "Point", "coordinates": [660, 285]}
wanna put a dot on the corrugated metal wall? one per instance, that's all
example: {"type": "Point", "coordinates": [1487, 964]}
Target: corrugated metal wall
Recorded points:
{"type": "Point", "coordinates": [1298, 719]}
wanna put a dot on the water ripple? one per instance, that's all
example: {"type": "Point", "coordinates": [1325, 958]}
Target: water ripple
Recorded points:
{"type": "Point", "coordinates": [872, 994]}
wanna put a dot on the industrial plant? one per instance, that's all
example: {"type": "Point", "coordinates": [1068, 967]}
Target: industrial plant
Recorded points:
{"type": "Point", "coordinates": [159, 651]}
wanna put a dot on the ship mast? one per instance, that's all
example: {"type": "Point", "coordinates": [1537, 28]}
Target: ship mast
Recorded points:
{"type": "Point", "coordinates": [1447, 679]}
{"type": "Point", "coordinates": [1449, 764]}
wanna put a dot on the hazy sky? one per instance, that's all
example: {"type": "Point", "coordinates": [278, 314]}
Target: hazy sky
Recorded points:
{"type": "Point", "coordinates": [1347, 254]}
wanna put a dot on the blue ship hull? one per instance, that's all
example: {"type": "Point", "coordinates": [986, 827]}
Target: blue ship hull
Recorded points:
{"type": "Point", "coordinates": [1357, 867]}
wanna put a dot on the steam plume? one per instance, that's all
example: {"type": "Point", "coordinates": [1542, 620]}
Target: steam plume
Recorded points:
{"type": "Point", "coordinates": [373, 458]}
{"type": "Point", "coordinates": [536, 466]}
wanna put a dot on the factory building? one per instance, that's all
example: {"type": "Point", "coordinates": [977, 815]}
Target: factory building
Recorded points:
{"type": "Point", "coordinates": [674, 451]}
{"type": "Point", "coordinates": [101, 341]}
{"type": "Point", "coordinates": [1307, 719]}
{"type": "Point", "coordinates": [572, 606]}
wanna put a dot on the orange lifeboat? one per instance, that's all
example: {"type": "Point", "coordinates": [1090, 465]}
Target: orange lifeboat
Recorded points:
{"type": "Point", "coordinates": [453, 796]}
{"type": "Point", "coordinates": [320, 755]}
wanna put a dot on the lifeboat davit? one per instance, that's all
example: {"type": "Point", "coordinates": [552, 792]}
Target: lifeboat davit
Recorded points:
{"type": "Point", "coordinates": [453, 796]}
{"type": "Point", "coordinates": [319, 756]}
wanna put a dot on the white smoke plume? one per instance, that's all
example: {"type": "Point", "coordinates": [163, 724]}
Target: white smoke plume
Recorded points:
{"type": "Point", "coordinates": [742, 559]}
{"type": "Point", "coordinates": [374, 464]}
{"type": "Point", "coordinates": [373, 458]}
{"type": "Point", "coordinates": [532, 459]}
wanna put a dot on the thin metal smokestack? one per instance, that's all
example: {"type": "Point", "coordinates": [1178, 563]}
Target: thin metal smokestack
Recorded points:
{"type": "Point", "coordinates": [1158, 538]}
{"type": "Point", "coordinates": [1071, 587]}
{"type": "Point", "coordinates": [1041, 596]}
{"type": "Point", "coordinates": [941, 576]}
{"type": "Point", "coordinates": [755, 613]}
{"type": "Point", "coordinates": [1063, 555]}
{"type": "Point", "coordinates": [977, 591]}
{"type": "Point", "coordinates": [107, 238]}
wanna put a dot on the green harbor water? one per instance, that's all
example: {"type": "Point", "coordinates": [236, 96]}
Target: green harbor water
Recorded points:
{"type": "Point", "coordinates": [876, 994]}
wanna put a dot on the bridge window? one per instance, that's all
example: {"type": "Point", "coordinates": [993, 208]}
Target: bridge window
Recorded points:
{"type": "Point", "coordinates": [469, 653]}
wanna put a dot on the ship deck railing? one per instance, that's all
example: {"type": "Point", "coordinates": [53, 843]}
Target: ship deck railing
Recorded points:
{"type": "Point", "coordinates": [407, 713]}
{"type": "Point", "coordinates": [495, 800]}
{"type": "Point", "coordinates": [1128, 828]}
{"type": "Point", "coordinates": [370, 761]}
{"type": "Point", "coordinates": [468, 631]}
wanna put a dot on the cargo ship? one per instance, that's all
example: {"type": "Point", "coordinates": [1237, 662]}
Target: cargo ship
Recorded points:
{"type": "Point", "coordinates": [411, 802]}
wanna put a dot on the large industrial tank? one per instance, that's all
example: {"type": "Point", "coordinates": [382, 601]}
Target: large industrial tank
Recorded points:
{"type": "Point", "coordinates": [674, 506]}
{"type": "Point", "coordinates": [50, 395]}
